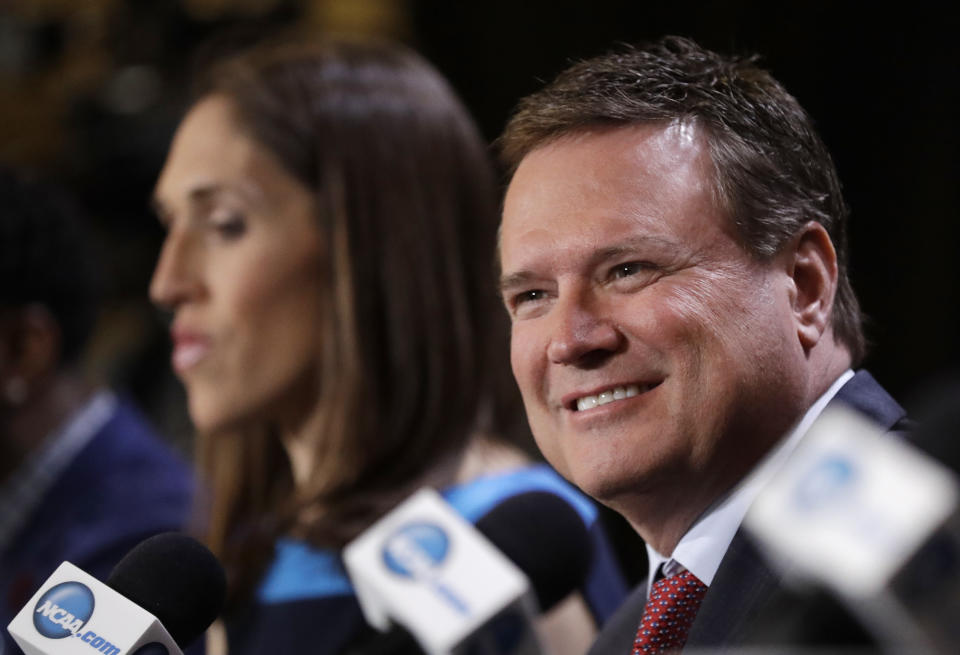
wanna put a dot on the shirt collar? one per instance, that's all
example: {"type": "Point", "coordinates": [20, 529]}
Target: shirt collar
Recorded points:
{"type": "Point", "coordinates": [702, 548]}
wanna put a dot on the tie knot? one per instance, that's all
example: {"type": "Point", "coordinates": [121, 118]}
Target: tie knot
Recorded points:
{"type": "Point", "coordinates": [683, 582]}
{"type": "Point", "coordinates": [669, 613]}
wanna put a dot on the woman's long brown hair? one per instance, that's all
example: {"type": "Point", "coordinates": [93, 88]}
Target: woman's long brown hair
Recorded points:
{"type": "Point", "coordinates": [411, 354]}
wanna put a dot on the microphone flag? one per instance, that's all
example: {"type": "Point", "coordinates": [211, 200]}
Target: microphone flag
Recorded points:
{"type": "Point", "coordinates": [73, 613]}
{"type": "Point", "coordinates": [424, 567]}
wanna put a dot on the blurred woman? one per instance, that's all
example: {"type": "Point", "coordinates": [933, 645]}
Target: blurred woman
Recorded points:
{"type": "Point", "coordinates": [331, 219]}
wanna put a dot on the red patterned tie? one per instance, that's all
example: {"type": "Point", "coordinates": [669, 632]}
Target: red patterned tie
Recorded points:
{"type": "Point", "coordinates": [669, 613]}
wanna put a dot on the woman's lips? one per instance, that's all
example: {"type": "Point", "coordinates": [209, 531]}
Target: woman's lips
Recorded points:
{"type": "Point", "coordinates": [188, 350]}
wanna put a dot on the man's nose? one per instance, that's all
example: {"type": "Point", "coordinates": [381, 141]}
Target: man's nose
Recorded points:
{"type": "Point", "coordinates": [175, 277]}
{"type": "Point", "coordinates": [582, 333]}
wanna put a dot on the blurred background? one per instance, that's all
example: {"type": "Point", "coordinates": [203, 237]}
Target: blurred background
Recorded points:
{"type": "Point", "coordinates": [91, 90]}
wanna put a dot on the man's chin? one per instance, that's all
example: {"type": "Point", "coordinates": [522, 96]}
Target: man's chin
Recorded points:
{"type": "Point", "coordinates": [608, 488]}
{"type": "Point", "coordinates": [620, 486]}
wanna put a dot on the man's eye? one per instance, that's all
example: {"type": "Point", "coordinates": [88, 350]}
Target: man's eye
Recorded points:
{"type": "Point", "coordinates": [628, 269]}
{"type": "Point", "coordinates": [532, 295]}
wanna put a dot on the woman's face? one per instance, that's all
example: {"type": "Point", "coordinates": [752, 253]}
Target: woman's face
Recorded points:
{"type": "Point", "coordinates": [241, 270]}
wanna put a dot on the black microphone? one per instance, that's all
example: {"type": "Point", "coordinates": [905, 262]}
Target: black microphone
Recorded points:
{"type": "Point", "coordinates": [546, 538]}
{"type": "Point", "coordinates": [175, 578]}
{"type": "Point", "coordinates": [542, 535]}
{"type": "Point", "coordinates": [160, 597]}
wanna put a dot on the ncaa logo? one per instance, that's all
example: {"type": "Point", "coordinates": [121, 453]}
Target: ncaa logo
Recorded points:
{"type": "Point", "coordinates": [415, 549]}
{"type": "Point", "coordinates": [63, 610]}
{"type": "Point", "coordinates": [830, 478]}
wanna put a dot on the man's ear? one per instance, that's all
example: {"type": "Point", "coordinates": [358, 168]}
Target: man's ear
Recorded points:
{"type": "Point", "coordinates": [33, 344]}
{"type": "Point", "coordinates": [812, 267]}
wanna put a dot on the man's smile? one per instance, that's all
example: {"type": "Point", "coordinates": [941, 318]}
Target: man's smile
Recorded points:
{"type": "Point", "coordinates": [582, 402]}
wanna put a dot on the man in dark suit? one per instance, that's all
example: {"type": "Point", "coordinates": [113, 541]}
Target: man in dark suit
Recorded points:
{"type": "Point", "coordinates": [83, 477]}
{"type": "Point", "coordinates": [673, 257]}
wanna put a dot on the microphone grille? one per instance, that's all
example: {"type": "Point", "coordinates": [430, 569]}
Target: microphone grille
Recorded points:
{"type": "Point", "coordinates": [547, 540]}
{"type": "Point", "coordinates": [175, 578]}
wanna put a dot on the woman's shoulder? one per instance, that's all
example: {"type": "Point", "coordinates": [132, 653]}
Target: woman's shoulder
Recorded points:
{"type": "Point", "coordinates": [476, 497]}
{"type": "Point", "coordinates": [304, 593]}
{"type": "Point", "coordinates": [492, 471]}
{"type": "Point", "coordinates": [300, 571]}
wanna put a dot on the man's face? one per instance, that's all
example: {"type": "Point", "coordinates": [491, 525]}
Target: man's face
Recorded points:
{"type": "Point", "coordinates": [651, 350]}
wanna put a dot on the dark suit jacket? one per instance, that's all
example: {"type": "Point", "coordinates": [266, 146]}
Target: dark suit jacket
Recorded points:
{"type": "Point", "coordinates": [745, 586]}
{"type": "Point", "coordinates": [123, 486]}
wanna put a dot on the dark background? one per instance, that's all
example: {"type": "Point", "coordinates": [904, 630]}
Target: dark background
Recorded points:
{"type": "Point", "coordinates": [90, 93]}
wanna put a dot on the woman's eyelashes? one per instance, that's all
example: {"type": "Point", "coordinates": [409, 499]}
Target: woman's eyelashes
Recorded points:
{"type": "Point", "coordinates": [228, 224]}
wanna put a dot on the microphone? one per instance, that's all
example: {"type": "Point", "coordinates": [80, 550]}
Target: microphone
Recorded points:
{"type": "Point", "coordinates": [159, 598]}
{"type": "Point", "coordinates": [546, 538]}
{"type": "Point", "coordinates": [874, 522]}
{"type": "Point", "coordinates": [480, 592]}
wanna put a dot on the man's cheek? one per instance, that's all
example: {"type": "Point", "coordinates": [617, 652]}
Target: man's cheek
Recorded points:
{"type": "Point", "coordinates": [522, 362]}
{"type": "Point", "coordinates": [549, 444]}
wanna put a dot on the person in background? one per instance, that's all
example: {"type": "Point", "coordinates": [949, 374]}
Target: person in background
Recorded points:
{"type": "Point", "coordinates": [331, 215]}
{"type": "Point", "coordinates": [83, 477]}
{"type": "Point", "coordinates": [673, 251]}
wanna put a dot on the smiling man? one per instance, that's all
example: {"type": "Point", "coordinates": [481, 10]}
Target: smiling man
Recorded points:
{"type": "Point", "coordinates": [673, 260]}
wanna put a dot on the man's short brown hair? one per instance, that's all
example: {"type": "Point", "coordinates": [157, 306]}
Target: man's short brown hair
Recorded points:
{"type": "Point", "coordinates": [773, 173]}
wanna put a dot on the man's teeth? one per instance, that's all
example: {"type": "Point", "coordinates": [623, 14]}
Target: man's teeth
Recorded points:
{"type": "Point", "coordinates": [618, 393]}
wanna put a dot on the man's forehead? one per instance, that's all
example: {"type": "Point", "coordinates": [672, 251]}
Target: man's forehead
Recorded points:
{"type": "Point", "coordinates": [616, 165]}
{"type": "Point", "coordinates": [657, 147]}
{"type": "Point", "coordinates": [628, 169]}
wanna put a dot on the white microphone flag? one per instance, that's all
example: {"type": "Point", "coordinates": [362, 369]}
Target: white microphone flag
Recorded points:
{"type": "Point", "coordinates": [426, 568]}
{"type": "Point", "coordinates": [73, 613]}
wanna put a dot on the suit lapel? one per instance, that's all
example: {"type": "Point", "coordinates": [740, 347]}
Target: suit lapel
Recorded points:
{"type": "Point", "coordinates": [744, 584]}
{"type": "Point", "coordinates": [865, 395]}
